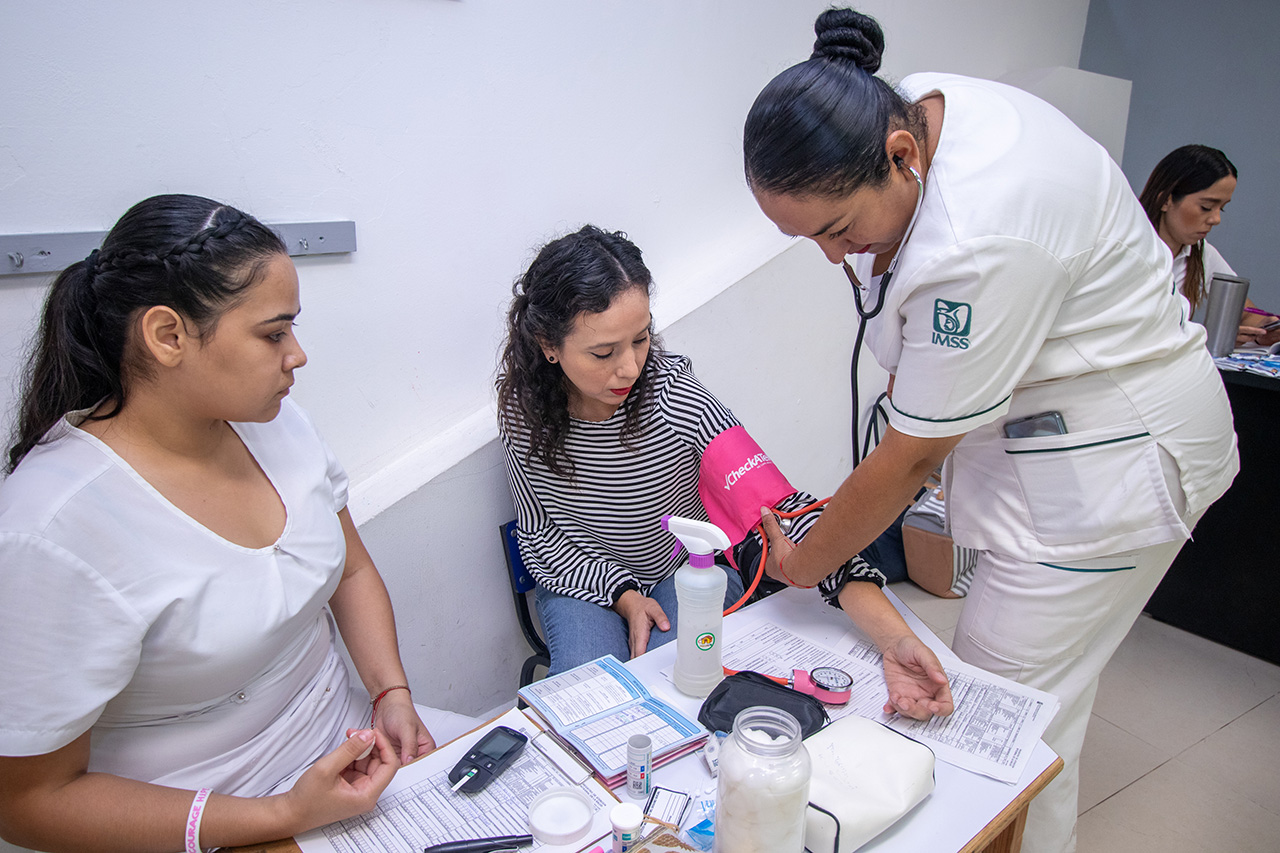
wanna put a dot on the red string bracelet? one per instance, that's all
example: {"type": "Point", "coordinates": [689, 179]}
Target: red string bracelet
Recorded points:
{"type": "Point", "coordinates": [786, 576]}
{"type": "Point", "coordinates": [373, 716]}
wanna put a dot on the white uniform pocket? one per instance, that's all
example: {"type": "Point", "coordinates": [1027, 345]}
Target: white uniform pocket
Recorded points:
{"type": "Point", "coordinates": [1098, 486]}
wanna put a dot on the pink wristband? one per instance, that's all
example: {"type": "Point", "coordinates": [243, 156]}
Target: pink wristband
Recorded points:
{"type": "Point", "coordinates": [194, 817]}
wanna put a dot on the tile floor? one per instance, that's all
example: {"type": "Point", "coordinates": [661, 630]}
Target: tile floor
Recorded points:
{"type": "Point", "coordinates": [1183, 750]}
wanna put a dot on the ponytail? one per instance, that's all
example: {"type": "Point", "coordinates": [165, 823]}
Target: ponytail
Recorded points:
{"type": "Point", "coordinates": [1193, 283]}
{"type": "Point", "coordinates": [188, 253]}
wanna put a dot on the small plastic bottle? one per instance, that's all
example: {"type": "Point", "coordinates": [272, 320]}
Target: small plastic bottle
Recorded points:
{"type": "Point", "coordinates": [639, 766]}
{"type": "Point", "coordinates": [626, 819]}
{"type": "Point", "coordinates": [700, 587]}
{"type": "Point", "coordinates": [762, 790]}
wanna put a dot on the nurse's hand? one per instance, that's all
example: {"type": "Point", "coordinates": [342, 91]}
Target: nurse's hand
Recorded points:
{"type": "Point", "coordinates": [918, 686]}
{"type": "Point", "coordinates": [642, 614]}
{"type": "Point", "coordinates": [342, 784]}
{"type": "Point", "coordinates": [399, 722]}
{"type": "Point", "coordinates": [779, 546]}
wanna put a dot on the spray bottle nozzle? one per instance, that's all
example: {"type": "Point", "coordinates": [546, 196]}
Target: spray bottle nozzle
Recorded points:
{"type": "Point", "coordinates": [700, 538]}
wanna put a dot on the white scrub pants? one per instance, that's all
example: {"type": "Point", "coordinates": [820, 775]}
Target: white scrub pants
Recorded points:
{"type": "Point", "coordinates": [1054, 626]}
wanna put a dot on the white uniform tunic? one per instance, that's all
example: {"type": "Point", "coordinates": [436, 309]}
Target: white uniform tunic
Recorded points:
{"type": "Point", "coordinates": [196, 662]}
{"type": "Point", "coordinates": [1033, 282]}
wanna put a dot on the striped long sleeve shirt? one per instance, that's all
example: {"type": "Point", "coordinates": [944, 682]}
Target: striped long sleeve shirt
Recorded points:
{"type": "Point", "coordinates": [597, 534]}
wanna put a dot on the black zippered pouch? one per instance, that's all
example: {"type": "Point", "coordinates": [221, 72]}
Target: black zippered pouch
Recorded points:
{"type": "Point", "coordinates": [746, 689]}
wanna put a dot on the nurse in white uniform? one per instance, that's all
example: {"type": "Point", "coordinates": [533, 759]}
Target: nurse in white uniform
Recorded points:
{"type": "Point", "coordinates": [1020, 281]}
{"type": "Point", "coordinates": [1184, 197]}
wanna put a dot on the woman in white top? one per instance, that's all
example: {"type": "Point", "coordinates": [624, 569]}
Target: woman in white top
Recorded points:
{"type": "Point", "coordinates": [1031, 337]}
{"type": "Point", "coordinates": [1184, 198]}
{"type": "Point", "coordinates": [175, 553]}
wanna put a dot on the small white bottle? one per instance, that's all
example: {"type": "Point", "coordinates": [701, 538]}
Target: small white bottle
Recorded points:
{"type": "Point", "coordinates": [627, 818]}
{"type": "Point", "coordinates": [700, 587]}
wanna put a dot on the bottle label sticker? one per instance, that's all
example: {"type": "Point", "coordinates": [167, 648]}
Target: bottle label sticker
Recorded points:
{"type": "Point", "coordinates": [705, 641]}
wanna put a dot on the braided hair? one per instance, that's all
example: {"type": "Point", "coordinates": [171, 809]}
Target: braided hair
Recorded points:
{"type": "Point", "coordinates": [579, 273]}
{"type": "Point", "coordinates": [185, 252]}
{"type": "Point", "coordinates": [819, 128]}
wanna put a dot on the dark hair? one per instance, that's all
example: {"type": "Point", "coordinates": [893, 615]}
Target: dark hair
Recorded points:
{"type": "Point", "coordinates": [580, 272]}
{"type": "Point", "coordinates": [819, 128]}
{"type": "Point", "coordinates": [191, 254]}
{"type": "Point", "coordinates": [1185, 170]}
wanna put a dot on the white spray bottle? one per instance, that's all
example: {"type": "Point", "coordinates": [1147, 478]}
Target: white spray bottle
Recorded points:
{"type": "Point", "coordinates": [700, 587]}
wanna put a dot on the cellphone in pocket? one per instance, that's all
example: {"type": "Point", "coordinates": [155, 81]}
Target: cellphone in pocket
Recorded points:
{"type": "Point", "coordinates": [1045, 423]}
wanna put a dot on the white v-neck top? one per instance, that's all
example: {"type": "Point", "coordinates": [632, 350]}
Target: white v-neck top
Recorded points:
{"type": "Point", "coordinates": [197, 662]}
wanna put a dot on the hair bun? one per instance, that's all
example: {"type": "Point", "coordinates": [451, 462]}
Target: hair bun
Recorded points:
{"type": "Point", "coordinates": [851, 36]}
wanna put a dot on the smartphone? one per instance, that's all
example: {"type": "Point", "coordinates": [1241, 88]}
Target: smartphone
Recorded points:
{"type": "Point", "coordinates": [1275, 324]}
{"type": "Point", "coordinates": [492, 754]}
{"type": "Point", "coordinates": [1045, 423]}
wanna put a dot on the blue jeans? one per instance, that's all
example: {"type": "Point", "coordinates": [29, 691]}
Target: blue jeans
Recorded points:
{"type": "Point", "coordinates": [578, 631]}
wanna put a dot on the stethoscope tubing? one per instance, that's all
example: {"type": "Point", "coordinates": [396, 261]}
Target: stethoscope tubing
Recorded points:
{"type": "Point", "coordinates": [893, 264]}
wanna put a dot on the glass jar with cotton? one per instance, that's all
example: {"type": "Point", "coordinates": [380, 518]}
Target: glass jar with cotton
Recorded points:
{"type": "Point", "coordinates": [762, 789]}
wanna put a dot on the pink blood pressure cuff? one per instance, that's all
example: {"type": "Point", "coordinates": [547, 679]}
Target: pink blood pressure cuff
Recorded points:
{"type": "Point", "coordinates": [735, 479]}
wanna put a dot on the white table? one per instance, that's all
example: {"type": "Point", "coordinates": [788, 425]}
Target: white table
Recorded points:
{"type": "Point", "coordinates": [966, 811]}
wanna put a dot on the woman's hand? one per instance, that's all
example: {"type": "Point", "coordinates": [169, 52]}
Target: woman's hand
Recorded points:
{"type": "Point", "coordinates": [397, 719]}
{"type": "Point", "coordinates": [1258, 335]}
{"type": "Point", "coordinates": [641, 614]}
{"type": "Point", "coordinates": [918, 686]}
{"type": "Point", "coordinates": [342, 784]}
{"type": "Point", "coordinates": [779, 546]}
{"type": "Point", "coordinates": [1251, 329]}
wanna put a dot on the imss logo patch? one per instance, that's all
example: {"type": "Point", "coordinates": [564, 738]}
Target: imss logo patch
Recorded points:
{"type": "Point", "coordinates": [951, 322]}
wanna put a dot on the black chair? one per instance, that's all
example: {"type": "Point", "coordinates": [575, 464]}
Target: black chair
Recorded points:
{"type": "Point", "coordinates": [521, 585]}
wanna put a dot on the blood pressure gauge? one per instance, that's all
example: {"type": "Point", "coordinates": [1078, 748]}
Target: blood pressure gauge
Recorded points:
{"type": "Point", "coordinates": [825, 683]}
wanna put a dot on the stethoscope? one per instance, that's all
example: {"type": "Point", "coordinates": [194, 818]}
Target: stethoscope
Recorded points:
{"type": "Point", "coordinates": [859, 287]}
{"type": "Point", "coordinates": [865, 315]}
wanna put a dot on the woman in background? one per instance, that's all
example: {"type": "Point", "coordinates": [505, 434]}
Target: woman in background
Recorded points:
{"type": "Point", "coordinates": [605, 433]}
{"type": "Point", "coordinates": [175, 553]}
{"type": "Point", "coordinates": [1184, 198]}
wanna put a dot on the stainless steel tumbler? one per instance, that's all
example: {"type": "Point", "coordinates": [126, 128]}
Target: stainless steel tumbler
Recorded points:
{"type": "Point", "coordinates": [1222, 318]}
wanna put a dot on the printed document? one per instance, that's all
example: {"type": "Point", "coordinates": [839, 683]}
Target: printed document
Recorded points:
{"type": "Point", "coordinates": [993, 730]}
{"type": "Point", "coordinates": [418, 809]}
{"type": "Point", "coordinates": [598, 706]}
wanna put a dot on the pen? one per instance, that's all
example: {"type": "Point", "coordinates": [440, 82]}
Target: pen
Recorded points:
{"type": "Point", "coordinates": [482, 845]}
{"type": "Point", "coordinates": [1251, 310]}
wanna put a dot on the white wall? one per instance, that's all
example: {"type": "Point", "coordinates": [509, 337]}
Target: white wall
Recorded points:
{"type": "Point", "coordinates": [457, 134]}
{"type": "Point", "coordinates": [1203, 73]}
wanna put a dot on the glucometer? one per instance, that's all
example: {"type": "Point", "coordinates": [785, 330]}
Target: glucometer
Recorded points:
{"type": "Point", "coordinates": [492, 754]}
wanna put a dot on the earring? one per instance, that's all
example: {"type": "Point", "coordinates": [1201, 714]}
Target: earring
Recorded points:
{"type": "Point", "coordinates": [551, 358]}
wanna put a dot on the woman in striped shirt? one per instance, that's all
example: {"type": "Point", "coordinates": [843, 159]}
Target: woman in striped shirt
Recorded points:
{"type": "Point", "coordinates": [604, 434]}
